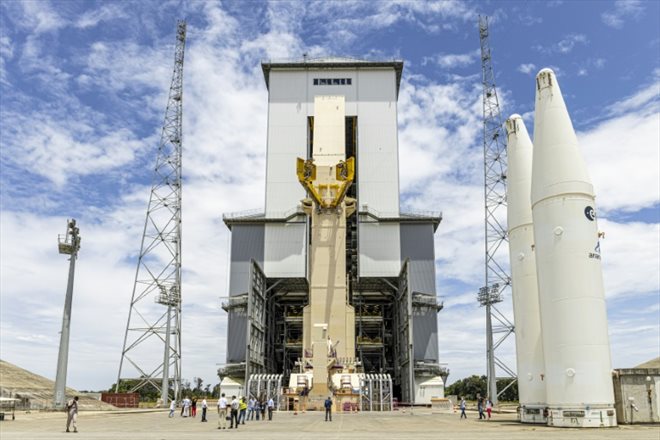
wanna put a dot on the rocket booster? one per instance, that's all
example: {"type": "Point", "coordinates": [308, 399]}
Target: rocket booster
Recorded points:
{"type": "Point", "coordinates": [529, 347]}
{"type": "Point", "coordinates": [568, 262]}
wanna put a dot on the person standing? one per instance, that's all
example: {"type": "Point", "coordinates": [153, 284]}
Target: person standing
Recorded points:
{"type": "Point", "coordinates": [328, 409]}
{"type": "Point", "coordinates": [271, 406]}
{"type": "Point", "coordinates": [222, 412]}
{"type": "Point", "coordinates": [234, 413]}
{"type": "Point", "coordinates": [72, 414]}
{"type": "Point", "coordinates": [186, 407]}
{"type": "Point", "coordinates": [172, 408]}
{"type": "Point", "coordinates": [204, 408]}
{"type": "Point", "coordinates": [480, 406]}
{"type": "Point", "coordinates": [262, 408]}
{"type": "Point", "coordinates": [242, 408]}
{"type": "Point", "coordinates": [194, 406]}
{"type": "Point", "coordinates": [463, 415]}
{"type": "Point", "coordinates": [303, 398]}
{"type": "Point", "coordinates": [489, 407]}
{"type": "Point", "coordinates": [250, 408]}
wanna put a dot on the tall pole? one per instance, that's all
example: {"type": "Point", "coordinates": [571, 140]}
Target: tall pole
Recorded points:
{"type": "Point", "coordinates": [68, 245]}
{"type": "Point", "coordinates": [491, 378]}
{"type": "Point", "coordinates": [497, 279]}
{"type": "Point", "coordinates": [165, 385]}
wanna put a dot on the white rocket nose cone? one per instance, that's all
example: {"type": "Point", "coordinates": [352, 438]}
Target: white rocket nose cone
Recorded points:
{"type": "Point", "coordinates": [519, 174]}
{"type": "Point", "coordinates": [546, 81]}
{"type": "Point", "coordinates": [558, 165]}
{"type": "Point", "coordinates": [512, 125]}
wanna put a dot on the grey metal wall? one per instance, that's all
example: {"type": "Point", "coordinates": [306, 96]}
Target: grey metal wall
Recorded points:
{"type": "Point", "coordinates": [425, 336]}
{"type": "Point", "coordinates": [236, 334]}
{"type": "Point", "coordinates": [417, 245]}
{"type": "Point", "coordinates": [247, 242]}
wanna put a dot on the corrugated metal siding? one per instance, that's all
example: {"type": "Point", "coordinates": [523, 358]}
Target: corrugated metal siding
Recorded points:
{"type": "Point", "coordinates": [285, 251]}
{"type": "Point", "coordinates": [425, 336]}
{"type": "Point", "coordinates": [380, 254]}
{"type": "Point", "coordinates": [236, 334]}
{"type": "Point", "coordinates": [418, 246]}
{"type": "Point", "coordinates": [247, 242]}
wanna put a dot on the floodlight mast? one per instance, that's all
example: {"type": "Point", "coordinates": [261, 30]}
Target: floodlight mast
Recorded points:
{"type": "Point", "coordinates": [497, 279]}
{"type": "Point", "coordinates": [68, 245]}
{"type": "Point", "coordinates": [158, 273]}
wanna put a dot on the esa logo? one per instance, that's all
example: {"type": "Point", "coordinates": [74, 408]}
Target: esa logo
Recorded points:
{"type": "Point", "coordinates": [590, 213]}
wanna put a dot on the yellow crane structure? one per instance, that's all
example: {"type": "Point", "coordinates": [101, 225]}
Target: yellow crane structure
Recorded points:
{"type": "Point", "coordinates": [328, 317]}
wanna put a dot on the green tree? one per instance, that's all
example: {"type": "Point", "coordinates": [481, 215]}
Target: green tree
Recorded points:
{"type": "Point", "coordinates": [511, 393]}
{"type": "Point", "coordinates": [198, 381]}
{"type": "Point", "coordinates": [148, 393]}
{"type": "Point", "coordinates": [469, 387]}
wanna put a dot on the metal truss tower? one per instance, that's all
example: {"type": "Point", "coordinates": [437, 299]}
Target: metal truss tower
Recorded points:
{"type": "Point", "coordinates": [151, 356]}
{"type": "Point", "coordinates": [497, 279]}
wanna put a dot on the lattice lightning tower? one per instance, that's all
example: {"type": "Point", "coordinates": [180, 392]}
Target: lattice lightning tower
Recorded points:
{"type": "Point", "coordinates": [495, 164]}
{"type": "Point", "coordinates": [151, 356]}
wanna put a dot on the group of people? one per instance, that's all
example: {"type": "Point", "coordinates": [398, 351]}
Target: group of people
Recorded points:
{"type": "Point", "coordinates": [189, 408]}
{"type": "Point", "coordinates": [482, 404]}
{"type": "Point", "coordinates": [241, 410]}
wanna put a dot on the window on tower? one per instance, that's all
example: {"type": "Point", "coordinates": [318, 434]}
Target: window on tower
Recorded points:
{"type": "Point", "coordinates": [332, 81]}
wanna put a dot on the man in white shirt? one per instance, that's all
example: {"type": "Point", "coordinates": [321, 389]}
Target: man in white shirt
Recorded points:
{"type": "Point", "coordinates": [172, 408]}
{"type": "Point", "coordinates": [234, 412]}
{"type": "Point", "coordinates": [72, 414]}
{"type": "Point", "coordinates": [271, 406]}
{"type": "Point", "coordinates": [204, 408]}
{"type": "Point", "coordinates": [222, 412]}
{"type": "Point", "coordinates": [251, 408]}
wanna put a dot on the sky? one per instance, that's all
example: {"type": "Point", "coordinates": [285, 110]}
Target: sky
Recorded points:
{"type": "Point", "coordinates": [83, 90]}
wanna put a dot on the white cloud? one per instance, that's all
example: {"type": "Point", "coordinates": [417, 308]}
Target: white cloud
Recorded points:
{"type": "Point", "coordinates": [60, 149]}
{"type": "Point", "coordinates": [623, 9]}
{"type": "Point", "coordinates": [353, 19]}
{"type": "Point", "coordinates": [647, 96]}
{"type": "Point", "coordinates": [563, 46]}
{"type": "Point", "coordinates": [106, 12]}
{"type": "Point", "coordinates": [527, 68]}
{"type": "Point", "coordinates": [631, 135]}
{"type": "Point", "coordinates": [589, 64]}
{"type": "Point", "coordinates": [40, 17]}
{"type": "Point", "coordinates": [6, 53]}
{"type": "Point", "coordinates": [449, 61]}
{"type": "Point", "coordinates": [625, 243]}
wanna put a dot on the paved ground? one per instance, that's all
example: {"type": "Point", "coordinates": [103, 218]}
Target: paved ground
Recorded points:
{"type": "Point", "coordinates": [422, 424]}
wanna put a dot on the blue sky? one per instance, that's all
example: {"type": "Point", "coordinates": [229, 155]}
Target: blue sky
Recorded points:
{"type": "Point", "coordinates": [83, 93]}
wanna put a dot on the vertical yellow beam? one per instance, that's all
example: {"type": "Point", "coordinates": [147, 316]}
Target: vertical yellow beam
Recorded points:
{"type": "Point", "coordinates": [328, 319]}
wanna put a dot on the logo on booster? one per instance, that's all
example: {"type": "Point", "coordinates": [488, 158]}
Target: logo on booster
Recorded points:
{"type": "Point", "coordinates": [590, 213]}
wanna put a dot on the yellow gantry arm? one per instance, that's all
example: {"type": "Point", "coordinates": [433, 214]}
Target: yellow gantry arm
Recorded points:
{"type": "Point", "coordinates": [334, 191]}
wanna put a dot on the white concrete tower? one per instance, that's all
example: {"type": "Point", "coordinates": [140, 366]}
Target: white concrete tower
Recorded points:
{"type": "Point", "coordinates": [568, 261]}
{"type": "Point", "coordinates": [529, 347]}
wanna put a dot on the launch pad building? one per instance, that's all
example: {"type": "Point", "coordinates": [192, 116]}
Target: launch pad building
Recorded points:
{"type": "Point", "coordinates": [389, 254]}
